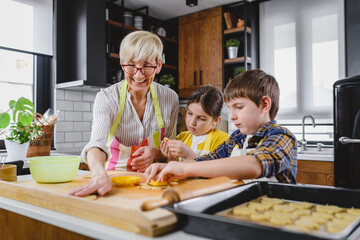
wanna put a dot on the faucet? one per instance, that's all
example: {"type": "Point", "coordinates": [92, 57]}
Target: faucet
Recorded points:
{"type": "Point", "coordinates": [303, 140]}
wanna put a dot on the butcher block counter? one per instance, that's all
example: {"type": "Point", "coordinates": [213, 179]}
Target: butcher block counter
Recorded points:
{"type": "Point", "coordinates": [45, 211]}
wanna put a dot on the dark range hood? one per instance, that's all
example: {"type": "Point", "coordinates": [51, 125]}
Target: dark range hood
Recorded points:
{"type": "Point", "coordinates": [80, 44]}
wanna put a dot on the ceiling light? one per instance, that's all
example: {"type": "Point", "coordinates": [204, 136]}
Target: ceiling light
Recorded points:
{"type": "Point", "coordinates": [192, 3]}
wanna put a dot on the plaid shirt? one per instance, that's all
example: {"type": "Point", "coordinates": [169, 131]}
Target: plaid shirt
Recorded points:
{"type": "Point", "coordinates": [277, 151]}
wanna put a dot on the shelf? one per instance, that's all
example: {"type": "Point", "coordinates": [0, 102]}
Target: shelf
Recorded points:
{"type": "Point", "coordinates": [237, 60]}
{"type": "Point", "coordinates": [116, 55]}
{"type": "Point", "coordinates": [237, 30]}
{"type": "Point", "coordinates": [120, 25]}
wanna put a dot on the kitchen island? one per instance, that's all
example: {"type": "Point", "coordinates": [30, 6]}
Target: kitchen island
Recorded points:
{"type": "Point", "coordinates": [20, 220]}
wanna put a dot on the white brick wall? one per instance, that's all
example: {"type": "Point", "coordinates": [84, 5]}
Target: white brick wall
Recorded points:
{"type": "Point", "coordinates": [74, 126]}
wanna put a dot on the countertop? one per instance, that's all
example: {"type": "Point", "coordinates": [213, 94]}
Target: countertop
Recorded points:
{"type": "Point", "coordinates": [78, 225]}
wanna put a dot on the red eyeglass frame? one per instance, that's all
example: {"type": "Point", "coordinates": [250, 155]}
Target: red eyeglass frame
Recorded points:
{"type": "Point", "coordinates": [137, 69]}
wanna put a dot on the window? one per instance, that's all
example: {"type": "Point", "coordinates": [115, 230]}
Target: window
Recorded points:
{"type": "Point", "coordinates": [26, 50]}
{"type": "Point", "coordinates": [302, 45]}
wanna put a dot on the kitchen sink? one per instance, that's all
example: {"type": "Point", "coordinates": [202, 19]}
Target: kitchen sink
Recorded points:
{"type": "Point", "coordinates": [315, 151]}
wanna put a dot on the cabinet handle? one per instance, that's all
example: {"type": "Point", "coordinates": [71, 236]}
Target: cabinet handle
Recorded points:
{"type": "Point", "coordinates": [346, 140]}
{"type": "Point", "coordinates": [195, 78]}
{"type": "Point", "coordinates": [201, 77]}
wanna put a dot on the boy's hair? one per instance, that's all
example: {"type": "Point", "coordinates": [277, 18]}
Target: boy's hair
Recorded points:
{"type": "Point", "coordinates": [254, 84]}
{"type": "Point", "coordinates": [141, 45]}
{"type": "Point", "coordinates": [210, 99]}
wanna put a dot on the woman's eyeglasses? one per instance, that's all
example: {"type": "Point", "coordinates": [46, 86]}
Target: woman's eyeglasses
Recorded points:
{"type": "Point", "coordinates": [132, 70]}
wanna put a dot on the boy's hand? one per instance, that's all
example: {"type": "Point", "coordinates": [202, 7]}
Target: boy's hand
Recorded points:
{"type": "Point", "coordinates": [152, 171]}
{"type": "Point", "coordinates": [174, 170]}
{"type": "Point", "coordinates": [180, 149]}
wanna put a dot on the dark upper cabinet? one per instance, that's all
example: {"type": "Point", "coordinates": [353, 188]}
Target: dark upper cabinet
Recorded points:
{"type": "Point", "coordinates": [80, 43]}
{"type": "Point", "coordinates": [352, 36]}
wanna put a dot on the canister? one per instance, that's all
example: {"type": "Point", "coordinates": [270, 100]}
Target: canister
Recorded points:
{"type": "Point", "coordinates": [128, 18]}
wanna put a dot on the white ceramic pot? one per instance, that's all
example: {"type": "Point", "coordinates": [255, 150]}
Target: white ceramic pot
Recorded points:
{"type": "Point", "coordinates": [232, 52]}
{"type": "Point", "coordinates": [167, 85]}
{"type": "Point", "coordinates": [16, 151]}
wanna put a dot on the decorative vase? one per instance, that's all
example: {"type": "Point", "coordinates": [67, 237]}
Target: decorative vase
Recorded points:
{"type": "Point", "coordinates": [16, 151]}
{"type": "Point", "coordinates": [232, 52]}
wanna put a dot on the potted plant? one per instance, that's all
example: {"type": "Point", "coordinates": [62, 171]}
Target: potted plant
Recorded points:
{"type": "Point", "coordinates": [239, 70]}
{"type": "Point", "coordinates": [167, 80]}
{"type": "Point", "coordinates": [232, 45]}
{"type": "Point", "coordinates": [20, 131]}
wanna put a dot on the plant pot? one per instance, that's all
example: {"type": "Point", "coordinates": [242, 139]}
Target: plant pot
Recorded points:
{"type": "Point", "coordinates": [8, 173]}
{"type": "Point", "coordinates": [232, 52]}
{"type": "Point", "coordinates": [16, 151]}
{"type": "Point", "coordinates": [167, 85]}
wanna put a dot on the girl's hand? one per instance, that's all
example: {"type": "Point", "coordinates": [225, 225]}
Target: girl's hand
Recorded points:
{"type": "Point", "coordinates": [164, 147]}
{"type": "Point", "coordinates": [174, 170]}
{"type": "Point", "coordinates": [180, 149]}
{"type": "Point", "coordinates": [152, 171]}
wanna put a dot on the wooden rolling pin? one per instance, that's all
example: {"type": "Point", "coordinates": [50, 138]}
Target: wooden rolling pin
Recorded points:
{"type": "Point", "coordinates": [189, 190]}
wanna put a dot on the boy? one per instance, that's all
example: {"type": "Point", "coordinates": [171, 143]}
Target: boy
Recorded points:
{"type": "Point", "coordinates": [259, 148]}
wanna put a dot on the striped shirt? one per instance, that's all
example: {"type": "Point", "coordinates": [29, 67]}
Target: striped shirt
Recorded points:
{"type": "Point", "coordinates": [277, 153]}
{"type": "Point", "coordinates": [131, 131]}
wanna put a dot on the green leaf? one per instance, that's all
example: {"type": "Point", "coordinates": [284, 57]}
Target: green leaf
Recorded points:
{"type": "Point", "coordinates": [4, 120]}
{"type": "Point", "coordinates": [23, 111]}
{"type": "Point", "coordinates": [12, 103]}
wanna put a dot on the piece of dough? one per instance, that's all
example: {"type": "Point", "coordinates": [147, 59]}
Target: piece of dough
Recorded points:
{"type": "Point", "coordinates": [313, 219]}
{"type": "Point", "coordinates": [284, 208]}
{"type": "Point", "coordinates": [346, 216]}
{"type": "Point", "coordinates": [331, 209]}
{"type": "Point", "coordinates": [297, 228]}
{"type": "Point", "coordinates": [337, 225]}
{"type": "Point", "coordinates": [259, 217]}
{"type": "Point", "coordinates": [266, 199]}
{"type": "Point", "coordinates": [306, 223]}
{"type": "Point", "coordinates": [322, 215]}
{"type": "Point", "coordinates": [259, 206]}
{"type": "Point", "coordinates": [281, 221]}
{"type": "Point", "coordinates": [302, 212]}
{"type": "Point", "coordinates": [301, 205]}
{"type": "Point", "coordinates": [355, 211]}
{"type": "Point", "coordinates": [242, 211]}
{"type": "Point", "coordinates": [272, 213]}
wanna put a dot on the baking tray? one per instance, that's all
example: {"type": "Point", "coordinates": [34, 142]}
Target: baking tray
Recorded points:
{"type": "Point", "coordinates": [197, 215]}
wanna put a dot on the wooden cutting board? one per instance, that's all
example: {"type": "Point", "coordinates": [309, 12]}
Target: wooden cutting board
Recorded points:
{"type": "Point", "coordinates": [119, 208]}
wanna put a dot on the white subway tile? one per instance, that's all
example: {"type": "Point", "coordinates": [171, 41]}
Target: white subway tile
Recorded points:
{"type": "Point", "coordinates": [60, 137]}
{"type": "Point", "coordinates": [64, 105]}
{"type": "Point", "coordinates": [86, 136]}
{"type": "Point", "coordinates": [80, 144]}
{"type": "Point", "coordinates": [87, 116]}
{"type": "Point", "coordinates": [60, 94]}
{"type": "Point", "coordinates": [60, 146]}
{"type": "Point", "coordinates": [89, 96]}
{"type": "Point", "coordinates": [73, 137]}
{"type": "Point", "coordinates": [73, 116]}
{"type": "Point", "coordinates": [73, 95]}
{"type": "Point", "coordinates": [82, 127]}
{"type": "Point", "coordinates": [64, 126]}
{"type": "Point", "coordinates": [82, 106]}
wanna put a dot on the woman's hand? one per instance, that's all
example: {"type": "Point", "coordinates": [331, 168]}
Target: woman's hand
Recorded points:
{"type": "Point", "coordinates": [174, 170]}
{"type": "Point", "coordinates": [152, 171]}
{"type": "Point", "coordinates": [180, 149]}
{"type": "Point", "coordinates": [144, 156]}
{"type": "Point", "coordinates": [100, 183]}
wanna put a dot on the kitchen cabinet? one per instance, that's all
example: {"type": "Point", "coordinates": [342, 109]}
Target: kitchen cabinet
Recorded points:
{"type": "Point", "coordinates": [117, 30]}
{"type": "Point", "coordinates": [200, 51]}
{"type": "Point", "coordinates": [247, 35]}
{"type": "Point", "coordinates": [315, 172]}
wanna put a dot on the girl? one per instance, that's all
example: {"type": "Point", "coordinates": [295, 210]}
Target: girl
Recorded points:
{"type": "Point", "coordinates": [202, 116]}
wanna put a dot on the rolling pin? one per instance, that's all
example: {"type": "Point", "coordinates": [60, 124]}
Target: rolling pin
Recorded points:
{"type": "Point", "coordinates": [189, 190]}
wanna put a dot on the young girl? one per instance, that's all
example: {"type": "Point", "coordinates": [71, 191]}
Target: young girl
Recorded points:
{"type": "Point", "coordinates": [202, 116]}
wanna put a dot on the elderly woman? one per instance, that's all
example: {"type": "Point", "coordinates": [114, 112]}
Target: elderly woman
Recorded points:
{"type": "Point", "coordinates": [131, 117]}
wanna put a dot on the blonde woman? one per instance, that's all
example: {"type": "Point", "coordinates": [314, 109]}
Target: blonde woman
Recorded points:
{"type": "Point", "coordinates": [130, 118]}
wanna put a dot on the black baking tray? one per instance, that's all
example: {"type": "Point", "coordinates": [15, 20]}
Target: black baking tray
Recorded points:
{"type": "Point", "coordinates": [196, 216]}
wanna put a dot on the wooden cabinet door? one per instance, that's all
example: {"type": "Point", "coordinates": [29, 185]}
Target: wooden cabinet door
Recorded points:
{"type": "Point", "coordinates": [315, 172]}
{"type": "Point", "coordinates": [210, 48]}
{"type": "Point", "coordinates": [188, 51]}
